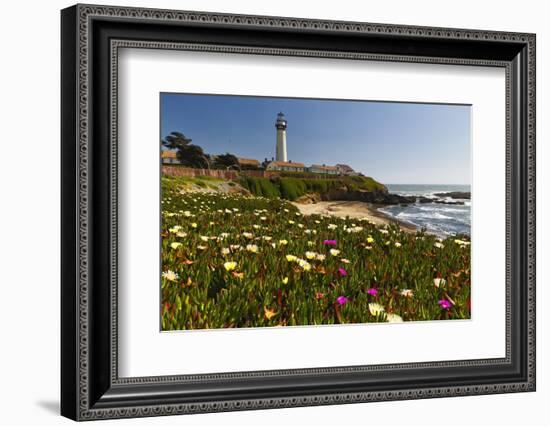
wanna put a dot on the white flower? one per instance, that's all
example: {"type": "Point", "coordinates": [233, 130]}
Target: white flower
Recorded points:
{"type": "Point", "coordinates": [203, 238]}
{"type": "Point", "coordinates": [248, 235]}
{"type": "Point", "coordinates": [344, 260]}
{"type": "Point", "coordinates": [263, 218]}
{"type": "Point", "coordinates": [407, 293]}
{"type": "Point", "coordinates": [393, 318]}
{"type": "Point", "coordinates": [397, 244]}
{"type": "Point", "coordinates": [438, 245]}
{"type": "Point", "coordinates": [225, 250]}
{"type": "Point", "coordinates": [439, 282]}
{"type": "Point", "coordinates": [181, 234]}
{"type": "Point", "coordinates": [320, 257]}
{"type": "Point", "coordinates": [332, 226]}
{"type": "Point", "coordinates": [384, 231]}
{"type": "Point", "coordinates": [170, 275]}
{"type": "Point", "coordinates": [334, 252]}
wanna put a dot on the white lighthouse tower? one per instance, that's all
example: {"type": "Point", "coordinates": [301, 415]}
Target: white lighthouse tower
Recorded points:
{"type": "Point", "coordinates": [280, 150]}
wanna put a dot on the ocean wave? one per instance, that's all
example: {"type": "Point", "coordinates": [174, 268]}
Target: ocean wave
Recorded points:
{"type": "Point", "coordinates": [434, 215]}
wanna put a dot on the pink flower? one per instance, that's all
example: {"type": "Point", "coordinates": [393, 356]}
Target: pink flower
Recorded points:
{"type": "Point", "coordinates": [445, 304]}
{"type": "Point", "coordinates": [329, 242]}
{"type": "Point", "coordinates": [372, 291]}
{"type": "Point", "coordinates": [342, 300]}
{"type": "Point", "coordinates": [342, 272]}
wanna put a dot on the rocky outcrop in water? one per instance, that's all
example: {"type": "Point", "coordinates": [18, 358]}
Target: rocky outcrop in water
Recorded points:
{"type": "Point", "coordinates": [454, 195]}
{"type": "Point", "coordinates": [375, 197]}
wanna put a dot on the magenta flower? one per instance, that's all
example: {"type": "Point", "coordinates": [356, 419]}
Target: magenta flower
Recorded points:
{"type": "Point", "coordinates": [329, 242]}
{"type": "Point", "coordinates": [342, 272]}
{"type": "Point", "coordinates": [445, 304]}
{"type": "Point", "coordinates": [372, 291]}
{"type": "Point", "coordinates": [342, 300]}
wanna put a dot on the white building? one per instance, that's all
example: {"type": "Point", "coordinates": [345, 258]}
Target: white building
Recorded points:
{"type": "Point", "coordinates": [323, 169]}
{"type": "Point", "coordinates": [285, 166]}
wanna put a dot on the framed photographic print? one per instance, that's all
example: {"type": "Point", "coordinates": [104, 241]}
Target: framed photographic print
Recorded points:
{"type": "Point", "coordinates": [263, 212]}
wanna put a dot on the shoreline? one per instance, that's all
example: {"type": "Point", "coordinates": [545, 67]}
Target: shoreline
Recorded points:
{"type": "Point", "coordinates": [355, 210]}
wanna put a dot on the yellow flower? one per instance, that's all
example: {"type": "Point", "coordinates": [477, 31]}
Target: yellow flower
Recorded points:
{"type": "Point", "coordinates": [252, 248]}
{"type": "Point", "coordinates": [285, 280]}
{"type": "Point", "coordinates": [291, 222]}
{"type": "Point", "coordinates": [175, 229]}
{"type": "Point", "coordinates": [334, 252]}
{"type": "Point", "coordinates": [283, 242]}
{"type": "Point", "coordinates": [193, 225]}
{"type": "Point", "coordinates": [304, 264]}
{"type": "Point", "coordinates": [310, 254]}
{"type": "Point", "coordinates": [320, 257]}
{"type": "Point", "coordinates": [269, 313]}
{"type": "Point", "coordinates": [375, 309]}
{"type": "Point", "coordinates": [170, 275]}
{"type": "Point", "coordinates": [175, 245]}
{"type": "Point", "coordinates": [247, 235]}
{"type": "Point", "coordinates": [291, 258]}
{"type": "Point", "coordinates": [203, 238]}
{"type": "Point", "coordinates": [225, 251]}
{"type": "Point", "coordinates": [370, 240]}
{"type": "Point", "coordinates": [393, 318]}
{"type": "Point", "coordinates": [229, 266]}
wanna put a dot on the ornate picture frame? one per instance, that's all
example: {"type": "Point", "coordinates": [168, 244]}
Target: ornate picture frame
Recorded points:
{"type": "Point", "coordinates": [91, 38]}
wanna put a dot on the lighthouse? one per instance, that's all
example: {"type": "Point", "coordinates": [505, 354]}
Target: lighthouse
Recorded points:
{"type": "Point", "coordinates": [280, 149]}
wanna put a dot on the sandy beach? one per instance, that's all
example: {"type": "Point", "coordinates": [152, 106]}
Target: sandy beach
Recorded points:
{"type": "Point", "coordinates": [353, 209]}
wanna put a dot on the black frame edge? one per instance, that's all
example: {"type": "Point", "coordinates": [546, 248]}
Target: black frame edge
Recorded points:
{"type": "Point", "coordinates": [69, 206]}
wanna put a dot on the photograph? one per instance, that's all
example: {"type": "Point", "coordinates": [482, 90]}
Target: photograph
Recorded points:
{"type": "Point", "coordinates": [305, 212]}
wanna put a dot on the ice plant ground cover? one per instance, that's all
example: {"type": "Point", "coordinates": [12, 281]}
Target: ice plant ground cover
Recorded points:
{"type": "Point", "coordinates": [233, 260]}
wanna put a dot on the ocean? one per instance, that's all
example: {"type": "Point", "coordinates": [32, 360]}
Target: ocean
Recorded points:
{"type": "Point", "coordinates": [440, 219]}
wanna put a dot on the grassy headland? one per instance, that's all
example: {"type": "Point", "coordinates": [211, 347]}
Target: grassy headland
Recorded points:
{"type": "Point", "coordinates": [236, 258]}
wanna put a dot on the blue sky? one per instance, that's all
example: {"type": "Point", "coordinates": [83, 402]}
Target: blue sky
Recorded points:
{"type": "Point", "coordinates": [392, 142]}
